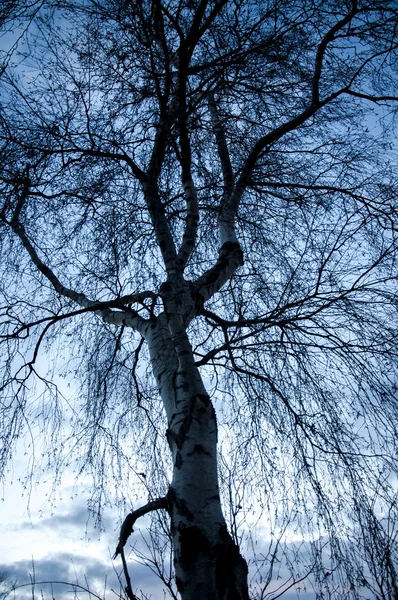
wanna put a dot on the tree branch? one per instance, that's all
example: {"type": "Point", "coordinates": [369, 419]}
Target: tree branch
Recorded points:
{"type": "Point", "coordinates": [370, 97]}
{"type": "Point", "coordinates": [97, 306]}
{"type": "Point", "coordinates": [127, 318]}
{"type": "Point", "coordinates": [230, 258]}
{"type": "Point", "coordinates": [230, 208]}
{"type": "Point", "coordinates": [127, 527]}
{"type": "Point", "coordinates": [320, 54]}
{"type": "Point", "coordinates": [222, 147]}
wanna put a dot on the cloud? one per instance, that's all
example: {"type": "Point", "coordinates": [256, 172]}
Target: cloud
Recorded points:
{"type": "Point", "coordinates": [77, 525]}
{"type": "Point", "coordinates": [59, 545]}
{"type": "Point", "coordinates": [66, 546]}
{"type": "Point", "coordinates": [78, 574]}
{"type": "Point", "coordinates": [62, 567]}
{"type": "Point", "coordinates": [67, 527]}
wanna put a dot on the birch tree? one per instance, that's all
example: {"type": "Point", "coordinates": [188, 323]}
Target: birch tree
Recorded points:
{"type": "Point", "coordinates": [198, 227]}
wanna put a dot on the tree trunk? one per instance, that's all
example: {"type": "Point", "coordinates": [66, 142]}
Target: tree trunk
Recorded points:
{"type": "Point", "coordinates": [208, 564]}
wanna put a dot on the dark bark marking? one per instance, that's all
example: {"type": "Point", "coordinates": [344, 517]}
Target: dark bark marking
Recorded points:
{"type": "Point", "coordinates": [198, 449]}
{"type": "Point", "coordinates": [185, 427]}
{"type": "Point", "coordinates": [180, 585]}
{"type": "Point", "coordinates": [230, 248]}
{"type": "Point", "coordinates": [207, 404]}
{"type": "Point", "coordinates": [181, 505]}
{"type": "Point", "coordinates": [184, 353]}
{"type": "Point", "coordinates": [160, 375]}
{"type": "Point", "coordinates": [193, 542]}
{"type": "Point", "coordinates": [205, 398]}
{"type": "Point", "coordinates": [179, 438]}
{"type": "Point", "coordinates": [166, 288]}
{"type": "Point", "coordinates": [230, 568]}
{"type": "Point", "coordinates": [198, 300]}
{"type": "Point", "coordinates": [178, 461]}
{"type": "Point", "coordinates": [183, 386]}
{"type": "Point", "coordinates": [229, 564]}
{"type": "Point", "coordinates": [170, 437]}
{"type": "Point", "coordinates": [215, 497]}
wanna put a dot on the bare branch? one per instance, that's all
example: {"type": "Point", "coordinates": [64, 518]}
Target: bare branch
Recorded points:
{"type": "Point", "coordinates": [127, 527]}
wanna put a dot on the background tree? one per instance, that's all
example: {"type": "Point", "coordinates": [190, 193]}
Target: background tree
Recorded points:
{"type": "Point", "coordinates": [5, 584]}
{"type": "Point", "coordinates": [198, 218]}
{"type": "Point", "coordinates": [374, 549]}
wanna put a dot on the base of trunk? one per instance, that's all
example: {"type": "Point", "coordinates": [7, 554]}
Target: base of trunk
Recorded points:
{"type": "Point", "coordinates": [208, 571]}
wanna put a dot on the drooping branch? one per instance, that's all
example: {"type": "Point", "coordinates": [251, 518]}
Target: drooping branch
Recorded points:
{"type": "Point", "coordinates": [127, 318]}
{"type": "Point", "coordinates": [127, 527]}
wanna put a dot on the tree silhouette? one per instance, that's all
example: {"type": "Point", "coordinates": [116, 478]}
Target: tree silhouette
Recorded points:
{"type": "Point", "coordinates": [198, 226]}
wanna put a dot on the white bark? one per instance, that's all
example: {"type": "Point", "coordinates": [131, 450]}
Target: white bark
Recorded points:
{"type": "Point", "coordinates": [191, 224]}
{"type": "Point", "coordinates": [207, 562]}
{"type": "Point", "coordinates": [164, 362]}
{"type": "Point", "coordinates": [230, 258]}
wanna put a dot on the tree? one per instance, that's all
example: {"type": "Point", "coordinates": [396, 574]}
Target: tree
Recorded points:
{"type": "Point", "coordinates": [376, 538]}
{"type": "Point", "coordinates": [4, 584]}
{"type": "Point", "coordinates": [199, 204]}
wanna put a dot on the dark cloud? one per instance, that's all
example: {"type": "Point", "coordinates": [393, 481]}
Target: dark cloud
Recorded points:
{"type": "Point", "coordinates": [77, 516]}
{"type": "Point", "coordinates": [75, 571]}
{"type": "Point", "coordinates": [99, 575]}
{"type": "Point", "coordinates": [73, 524]}
{"type": "Point", "coordinates": [62, 567]}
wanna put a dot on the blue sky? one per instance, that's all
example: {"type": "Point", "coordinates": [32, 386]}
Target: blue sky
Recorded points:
{"type": "Point", "coordinates": [62, 544]}
{"type": "Point", "coordinates": [58, 542]}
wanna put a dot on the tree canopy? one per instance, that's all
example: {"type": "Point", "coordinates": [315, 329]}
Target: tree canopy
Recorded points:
{"type": "Point", "coordinates": [219, 175]}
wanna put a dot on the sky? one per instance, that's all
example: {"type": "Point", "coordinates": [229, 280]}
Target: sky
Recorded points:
{"type": "Point", "coordinates": [43, 542]}
{"type": "Point", "coordinates": [58, 541]}
{"type": "Point", "coordinates": [48, 535]}
{"type": "Point", "coordinates": [61, 543]}
{"type": "Point", "coordinates": [52, 537]}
